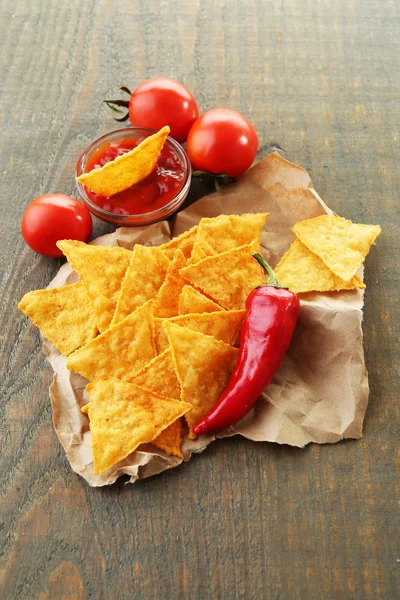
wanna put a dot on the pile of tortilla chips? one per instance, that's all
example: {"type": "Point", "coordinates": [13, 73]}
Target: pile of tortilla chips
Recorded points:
{"type": "Point", "coordinates": [155, 330]}
{"type": "Point", "coordinates": [326, 255]}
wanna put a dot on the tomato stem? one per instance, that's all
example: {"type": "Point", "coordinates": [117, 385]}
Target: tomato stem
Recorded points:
{"type": "Point", "coordinates": [116, 104]}
{"type": "Point", "coordinates": [123, 88]}
{"type": "Point", "coordinates": [220, 180]}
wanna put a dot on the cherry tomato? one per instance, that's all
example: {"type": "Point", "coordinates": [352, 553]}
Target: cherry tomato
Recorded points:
{"type": "Point", "coordinates": [53, 217]}
{"type": "Point", "coordinates": [222, 141]}
{"type": "Point", "coordinates": [162, 101]}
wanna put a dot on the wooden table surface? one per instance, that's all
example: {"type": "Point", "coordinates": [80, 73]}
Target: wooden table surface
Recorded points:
{"type": "Point", "coordinates": [320, 81]}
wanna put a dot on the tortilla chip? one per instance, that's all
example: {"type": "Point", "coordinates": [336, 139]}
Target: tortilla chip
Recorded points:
{"type": "Point", "coordinates": [159, 377]}
{"type": "Point", "coordinates": [101, 269]}
{"type": "Point", "coordinates": [222, 325]}
{"type": "Point", "coordinates": [143, 279]}
{"type": "Point", "coordinates": [129, 168]}
{"type": "Point", "coordinates": [341, 244]}
{"type": "Point", "coordinates": [203, 366]}
{"type": "Point", "coordinates": [123, 416]}
{"type": "Point", "coordinates": [160, 337]}
{"type": "Point", "coordinates": [170, 440]}
{"type": "Point", "coordinates": [166, 303]}
{"type": "Point", "coordinates": [192, 301]}
{"type": "Point", "coordinates": [64, 316]}
{"type": "Point", "coordinates": [121, 351]}
{"type": "Point", "coordinates": [302, 271]}
{"type": "Point", "coordinates": [227, 278]}
{"type": "Point", "coordinates": [219, 234]}
{"type": "Point", "coordinates": [184, 242]}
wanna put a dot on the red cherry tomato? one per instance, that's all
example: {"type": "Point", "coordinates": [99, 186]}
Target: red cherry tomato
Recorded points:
{"type": "Point", "coordinates": [162, 101]}
{"type": "Point", "coordinates": [222, 141]}
{"type": "Point", "coordinates": [53, 217]}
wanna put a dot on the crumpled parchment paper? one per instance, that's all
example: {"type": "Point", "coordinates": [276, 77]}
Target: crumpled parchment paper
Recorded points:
{"type": "Point", "coordinates": [319, 394]}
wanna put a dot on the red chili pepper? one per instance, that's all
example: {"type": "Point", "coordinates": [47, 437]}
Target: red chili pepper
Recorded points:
{"type": "Point", "coordinates": [267, 329]}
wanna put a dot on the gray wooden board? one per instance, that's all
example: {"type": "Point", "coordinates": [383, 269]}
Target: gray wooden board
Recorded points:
{"type": "Point", "coordinates": [320, 80]}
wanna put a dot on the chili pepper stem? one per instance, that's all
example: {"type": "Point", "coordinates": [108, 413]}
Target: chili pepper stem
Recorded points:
{"type": "Point", "coordinates": [272, 277]}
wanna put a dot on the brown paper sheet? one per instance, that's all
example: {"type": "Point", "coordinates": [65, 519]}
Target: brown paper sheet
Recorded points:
{"type": "Point", "coordinates": [319, 394]}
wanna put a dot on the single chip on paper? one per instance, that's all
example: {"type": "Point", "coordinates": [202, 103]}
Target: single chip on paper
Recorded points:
{"type": "Point", "coordinates": [129, 168]}
{"type": "Point", "coordinates": [64, 315]}
{"type": "Point", "coordinates": [166, 302]}
{"type": "Point", "coordinates": [203, 366]}
{"type": "Point", "coordinates": [341, 244]}
{"type": "Point", "coordinates": [101, 269]}
{"type": "Point", "coordinates": [184, 242]}
{"type": "Point", "coordinates": [227, 278]}
{"type": "Point", "coordinates": [302, 271]}
{"type": "Point", "coordinates": [222, 233]}
{"type": "Point", "coordinates": [121, 351]}
{"type": "Point", "coordinates": [143, 279]}
{"type": "Point", "coordinates": [192, 301]}
{"type": "Point", "coordinates": [123, 416]}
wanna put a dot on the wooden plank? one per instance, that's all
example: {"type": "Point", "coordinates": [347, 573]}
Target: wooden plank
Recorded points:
{"type": "Point", "coordinates": [320, 81]}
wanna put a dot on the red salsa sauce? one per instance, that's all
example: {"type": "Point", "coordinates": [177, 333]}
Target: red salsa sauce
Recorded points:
{"type": "Point", "coordinates": [152, 193]}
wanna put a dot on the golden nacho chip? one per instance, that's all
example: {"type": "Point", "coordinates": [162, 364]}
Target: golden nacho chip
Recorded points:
{"type": "Point", "coordinates": [64, 316]}
{"type": "Point", "coordinates": [170, 440]}
{"type": "Point", "coordinates": [159, 377]}
{"type": "Point", "coordinates": [184, 242]}
{"type": "Point", "coordinates": [143, 279]}
{"type": "Point", "coordinates": [302, 271]}
{"type": "Point", "coordinates": [129, 168]}
{"type": "Point", "coordinates": [123, 416]}
{"type": "Point", "coordinates": [121, 351]}
{"type": "Point", "coordinates": [198, 253]}
{"type": "Point", "coordinates": [192, 301]}
{"type": "Point", "coordinates": [219, 234]}
{"type": "Point", "coordinates": [160, 337]}
{"type": "Point", "coordinates": [166, 303]}
{"type": "Point", "coordinates": [203, 366]}
{"type": "Point", "coordinates": [222, 325]}
{"type": "Point", "coordinates": [101, 269]}
{"type": "Point", "coordinates": [341, 244]}
{"type": "Point", "coordinates": [227, 278]}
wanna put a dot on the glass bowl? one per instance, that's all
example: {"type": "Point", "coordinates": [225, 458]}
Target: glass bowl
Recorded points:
{"type": "Point", "coordinates": [139, 219]}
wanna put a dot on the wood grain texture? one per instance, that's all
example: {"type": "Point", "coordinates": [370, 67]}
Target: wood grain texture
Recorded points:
{"type": "Point", "coordinates": [321, 82]}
